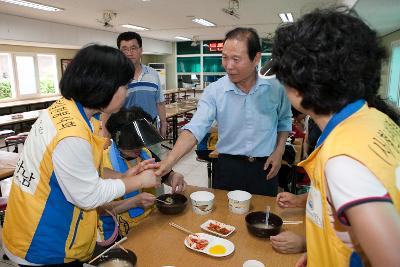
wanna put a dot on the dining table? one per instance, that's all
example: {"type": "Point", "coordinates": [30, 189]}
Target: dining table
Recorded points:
{"type": "Point", "coordinates": [156, 243]}
{"type": "Point", "coordinates": [28, 116]}
{"type": "Point", "coordinates": [175, 109]}
{"type": "Point", "coordinates": [176, 92]}
{"type": "Point", "coordinates": [8, 162]}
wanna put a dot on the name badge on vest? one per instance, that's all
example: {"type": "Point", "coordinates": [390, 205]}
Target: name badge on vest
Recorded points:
{"type": "Point", "coordinates": [314, 206]}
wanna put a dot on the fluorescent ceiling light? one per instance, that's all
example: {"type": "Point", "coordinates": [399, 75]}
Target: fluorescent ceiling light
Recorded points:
{"type": "Point", "coordinates": [204, 22]}
{"type": "Point", "coordinates": [130, 26]}
{"type": "Point", "coordinates": [33, 5]}
{"type": "Point", "coordinates": [286, 17]}
{"type": "Point", "coordinates": [182, 38]}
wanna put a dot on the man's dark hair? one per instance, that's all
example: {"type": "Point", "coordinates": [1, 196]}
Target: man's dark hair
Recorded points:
{"type": "Point", "coordinates": [125, 116]}
{"type": "Point", "coordinates": [332, 58]}
{"type": "Point", "coordinates": [251, 37]}
{"type": "Point", "coordinates": [95, 74]}
{"type": "Point", "coordinates": [127, 36]}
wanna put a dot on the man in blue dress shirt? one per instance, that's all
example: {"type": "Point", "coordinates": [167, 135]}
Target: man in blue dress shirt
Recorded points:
{"type": "Point", "coordinates": [254, 120]}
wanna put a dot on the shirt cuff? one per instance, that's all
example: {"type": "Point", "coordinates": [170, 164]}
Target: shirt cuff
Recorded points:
{"type": "Point", "coordinates": [119, 187]}
{"type": "Point", "coordinates": [284, 128]}
{"type": "Point", "coordinates": [341, 211]}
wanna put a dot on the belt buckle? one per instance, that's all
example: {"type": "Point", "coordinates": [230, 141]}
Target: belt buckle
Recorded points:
{"type": "Point", "coordinates": [251, 159]}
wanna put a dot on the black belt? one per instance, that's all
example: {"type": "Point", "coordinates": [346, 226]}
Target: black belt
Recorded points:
{"type": "Point", "coordinates": [244, 158]}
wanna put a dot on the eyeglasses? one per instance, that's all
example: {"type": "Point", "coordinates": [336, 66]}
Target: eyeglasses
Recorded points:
{"type": "Point", "coordinates": [131, 49]}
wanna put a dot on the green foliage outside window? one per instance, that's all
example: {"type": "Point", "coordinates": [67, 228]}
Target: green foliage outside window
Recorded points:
{"type": "Point", "coordinates": [5, 89]}
{"type": "Point", "coordinates": [47, 86]}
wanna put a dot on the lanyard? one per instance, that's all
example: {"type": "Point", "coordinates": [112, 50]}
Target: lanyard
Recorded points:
{"type": "Point", "coordinates": [82, 111]}
{"type": "Point", "coordinates": [119, 164]}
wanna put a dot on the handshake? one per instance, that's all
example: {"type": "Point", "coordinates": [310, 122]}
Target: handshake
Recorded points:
{"type": "Point", "coordinates": [149, 173]}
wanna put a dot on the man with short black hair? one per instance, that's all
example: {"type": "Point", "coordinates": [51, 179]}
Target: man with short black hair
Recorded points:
{"type": "Point", "coordinates": [145, 90]}
{"type": "Point", "coordinates": [254, 120]}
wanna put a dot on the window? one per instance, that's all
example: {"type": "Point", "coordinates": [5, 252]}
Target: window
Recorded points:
{"type": "Point", "coordinates": [47, 74]}
{"type": "Point", "coordinates": [25, 75]}
{"type": "Point", "coordinates": [6, 77]}
{"type": "Point", "coordinates": [394, 75]}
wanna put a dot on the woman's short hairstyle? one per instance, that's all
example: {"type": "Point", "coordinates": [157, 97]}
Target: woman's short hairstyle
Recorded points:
{"type": "Point", "coordinates": [95, 74]}
{"type": "Point", "coordinates": [250, 36]}
{"type": "Point", "coordinates": [125, 116]}
{"type": "Point", "coordinates": [332, 58]}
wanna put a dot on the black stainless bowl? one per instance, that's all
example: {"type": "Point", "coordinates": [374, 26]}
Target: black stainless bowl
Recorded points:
{"type": "Point", "coordinates": [116, 254]}
{"type": "Point", "coordinates": [177, 206]}
{"type": "Point", "coordinates": [256, 224]}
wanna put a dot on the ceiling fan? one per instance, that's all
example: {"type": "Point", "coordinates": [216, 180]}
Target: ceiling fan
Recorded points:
{"type": "Point", "coordinates": [108, 16]}
{"type": "Point", "coordinates": [195, 40]}
{"type": "Point", "coordinates": [232, 9]}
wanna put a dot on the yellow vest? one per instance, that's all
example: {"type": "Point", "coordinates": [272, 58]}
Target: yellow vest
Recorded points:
{"type": "Point", "coordinates": [41, 226]}
{"type": "Point", "coordinates": [125, 221]}
{"type": "Point", "coordinates": [371, 138]}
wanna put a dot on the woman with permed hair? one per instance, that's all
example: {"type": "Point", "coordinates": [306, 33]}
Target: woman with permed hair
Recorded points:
{"type": "Point", "coordinates": [52, 209]}
{"type": "Point", "coordinates": [330, 63]}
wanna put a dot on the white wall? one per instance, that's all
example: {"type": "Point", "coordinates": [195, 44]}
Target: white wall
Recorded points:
{"type": "Point", "coordinates": [24, 31]}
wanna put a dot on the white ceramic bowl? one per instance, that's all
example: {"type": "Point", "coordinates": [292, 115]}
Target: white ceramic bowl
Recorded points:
{"type": "Point", "coordinates": [253, 263]}
{"type": "Point", "coordinates": [239, 201]}
{"type": "Point", "coordinates": [202, 202]}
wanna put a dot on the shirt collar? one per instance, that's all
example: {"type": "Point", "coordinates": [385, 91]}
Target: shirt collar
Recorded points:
{"type": "Point", "coordinates": [259, 82]}
{"type": "Point", "coordinates": [340, 116]}
{"type": "Point", "coordinates": [145, 70]}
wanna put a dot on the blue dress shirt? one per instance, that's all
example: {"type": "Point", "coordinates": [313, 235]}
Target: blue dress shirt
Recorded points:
{"type": "Point", "coordinates": [247, 123]}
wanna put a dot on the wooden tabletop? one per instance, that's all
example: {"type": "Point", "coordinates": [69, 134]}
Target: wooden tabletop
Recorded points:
{"type": "Point", "coordinates": [180, 107]}
{"type": "Point", "coordinates": [8, 161]}
{"type": "Point", "coordinates": [155, 243]}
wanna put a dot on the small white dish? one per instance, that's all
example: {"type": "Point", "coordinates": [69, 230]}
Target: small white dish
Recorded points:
{"type": "Point", "coordinates": [213, 226]}
{"type": "Point", "coordinates": [213, 241]}
{"type": "Point", "coordinates": [253, 263]}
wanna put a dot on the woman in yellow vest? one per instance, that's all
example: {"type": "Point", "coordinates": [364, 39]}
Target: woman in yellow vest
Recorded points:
{"type": "Point", "coordinates": [127, 150]}
{"type": "Point", "coordinates": [52, 209]}
{"type": "Point", "coordinates": [330, 62]}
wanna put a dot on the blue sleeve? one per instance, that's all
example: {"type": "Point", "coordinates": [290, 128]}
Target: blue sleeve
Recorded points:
{"type": "Point", "coordinates": [284, 111]}
{"type": "Point", "coordinates": [202, 120]}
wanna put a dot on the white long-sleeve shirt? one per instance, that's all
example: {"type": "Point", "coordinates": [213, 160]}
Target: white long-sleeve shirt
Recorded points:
{"type": "Point", "coordinates": [78, 178]}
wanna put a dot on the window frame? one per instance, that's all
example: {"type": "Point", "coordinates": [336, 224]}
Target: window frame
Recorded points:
{"type": "Point", "coordinates": [12, 78]}
{"type": "Point", "coordinates": [396, 102]}
{"type": "Point", "coordinates": [15, 88]}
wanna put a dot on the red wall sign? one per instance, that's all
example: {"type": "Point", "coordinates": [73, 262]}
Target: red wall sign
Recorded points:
{"type": "Point", "coordinates": [217, 46]}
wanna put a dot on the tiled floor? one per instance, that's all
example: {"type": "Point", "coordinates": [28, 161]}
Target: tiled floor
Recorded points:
{"type": "Point", "coordinates": [195, 172]}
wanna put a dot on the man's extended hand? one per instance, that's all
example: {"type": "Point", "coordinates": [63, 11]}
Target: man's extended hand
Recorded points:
{"type": "Point", "coordinates": [164, 168]}
{"type": "Point", "coordinates": [144, 165]}
{"type": "Point", "coordinates": [273, 163]}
